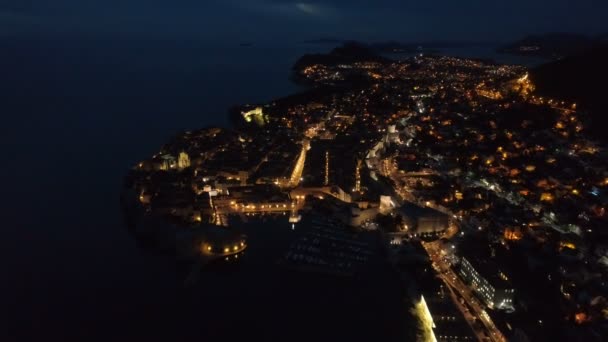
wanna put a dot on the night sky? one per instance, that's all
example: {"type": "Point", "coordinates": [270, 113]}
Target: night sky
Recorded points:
{"type": "Point", "coordinates": [269, 20]}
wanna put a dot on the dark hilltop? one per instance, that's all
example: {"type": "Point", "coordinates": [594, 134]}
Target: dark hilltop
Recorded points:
{"type": "Point", "coordinates": [580, 78]}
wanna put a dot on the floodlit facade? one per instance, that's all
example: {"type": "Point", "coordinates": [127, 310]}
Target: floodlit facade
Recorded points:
{"type": "Point", "coordinates": [490, 284]}
{"type": "Point", "coordinates": [426, 320]}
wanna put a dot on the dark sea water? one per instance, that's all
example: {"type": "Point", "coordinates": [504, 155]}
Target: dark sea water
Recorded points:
{"type": "Point", "coordinates": [76, 115]}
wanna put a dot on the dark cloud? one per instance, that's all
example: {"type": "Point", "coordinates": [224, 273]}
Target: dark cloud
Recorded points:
{"type": "Point", "coordinates": [268, 19]}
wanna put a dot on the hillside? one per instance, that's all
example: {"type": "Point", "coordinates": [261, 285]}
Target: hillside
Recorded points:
{"type": "Point", "coordinates": [348, 53]}
{"type": "Point", "coordinates": [582, 79]}
{"type": "Point", "coordinates": [551, 45]}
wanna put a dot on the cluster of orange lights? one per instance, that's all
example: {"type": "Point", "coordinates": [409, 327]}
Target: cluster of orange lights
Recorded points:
{"type": "Point", "coordinates": [581, 318]}
{"type": "Point", "coordinates": [234, 248]}
{"type": "Point", "coordinates": [546, 197]}
{"type": "Point", "coordinates": [227, 249]}
{"type": "Point", "coordinates": [513, 234]}
{"type": "Point", "coordinates": [567, 244]}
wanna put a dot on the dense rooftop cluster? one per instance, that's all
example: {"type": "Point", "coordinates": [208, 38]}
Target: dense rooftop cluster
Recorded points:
{"type": "Point", "coordinates": [515, 172]}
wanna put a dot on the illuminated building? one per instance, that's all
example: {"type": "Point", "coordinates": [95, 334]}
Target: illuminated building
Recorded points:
{"type": "Point", "coordinates": [326, 182]}
{"type": "Point", "coordinates": [386, 203]}
{"type": "Point", "coordinates": [441, 313]}
{"type": "Point", "coordinates": [183, 161]}
{"type": "Point", "coordinates": [513, 234]}
{"type": "Point", "coordinates": [546, 197]}
{"type": "Point", "coordinates": [458, 195]}
{"type": "Point", "coordinates": [255, 115]}
{"type": "Point", "coordinates": [488, 281]}
{"type": "Point", "coordinates": [426, 320]}
{"type": "Point", "coordinates": [167, 162]}
{"type": "Point", "coordinates": [423, 220]}
{"type": "Point", "coordinates": [358, 176]}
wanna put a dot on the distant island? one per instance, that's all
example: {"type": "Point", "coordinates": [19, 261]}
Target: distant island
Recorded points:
{"type": "Point", "coordinates": [552, 45]}
{"type": "Point", "coordinates": [580, 79]}
{"type": "Point", "coordinates": [397, 47]}
{"type": "Point", "coordinates": [329, 41]}
{"type": "Point", "coordinates": [375, 47]}
{"type": "Point", "coordinates": [393, 46]}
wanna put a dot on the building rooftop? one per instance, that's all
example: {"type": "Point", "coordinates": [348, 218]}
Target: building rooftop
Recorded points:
{"type": "Point", "coordinates": [416, 211]}
{"type": "Point", "coordinates": [489, 270]}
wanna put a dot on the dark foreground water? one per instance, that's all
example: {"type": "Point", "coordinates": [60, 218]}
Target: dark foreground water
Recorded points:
{"type": "Point", "coordinates": [76, 115]}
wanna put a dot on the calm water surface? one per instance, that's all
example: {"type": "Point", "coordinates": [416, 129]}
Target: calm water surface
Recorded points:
{"type": "Point", "coordinates": [77, 115]}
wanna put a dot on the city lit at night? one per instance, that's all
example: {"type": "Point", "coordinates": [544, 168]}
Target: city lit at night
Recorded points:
{"type": "Point", "coordinates": [319, 170]}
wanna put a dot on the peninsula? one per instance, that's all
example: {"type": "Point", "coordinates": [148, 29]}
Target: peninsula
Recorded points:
{"type": "Point", "coordinates": [489, 197]}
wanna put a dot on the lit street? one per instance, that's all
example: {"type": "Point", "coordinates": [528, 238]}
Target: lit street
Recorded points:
{"type": "Point", "coordinates": [472, 309]}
